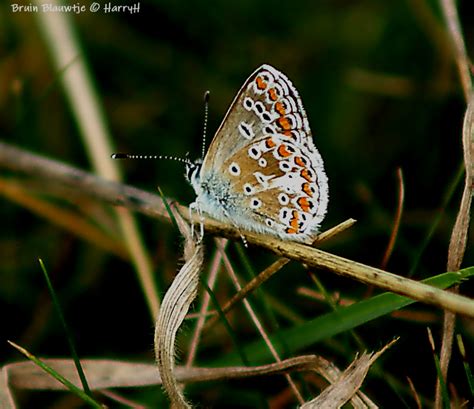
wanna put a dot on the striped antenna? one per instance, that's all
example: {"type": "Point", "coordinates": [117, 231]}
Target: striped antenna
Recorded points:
{"type": "Point", "coordinates": [185, 160]}
{"type": "Point", "coordinates": [207, 95]}
{"type": "Point", "coordinates": [131, 156]}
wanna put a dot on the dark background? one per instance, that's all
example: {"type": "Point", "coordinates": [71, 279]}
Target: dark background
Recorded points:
{"type": "Point", "coordinates": [380, 89]}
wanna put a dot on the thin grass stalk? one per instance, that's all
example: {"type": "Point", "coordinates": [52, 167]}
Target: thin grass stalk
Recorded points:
{"type": "Point", "coordinates": [58, 32]}
{"type": "Point", "coordinates": [457, 243]}
{"type": "Point", "coordinates": [256, 321]}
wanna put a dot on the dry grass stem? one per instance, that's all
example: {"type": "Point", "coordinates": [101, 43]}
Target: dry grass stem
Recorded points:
{"type": "Point", "coordinates": [347, 384]}
{"type": "Point", "coordinates": [92, 186]}
{"type": "Point", "coordinates": [271, 270]}
{"type": "Point", "coordinates": [203, 310]}
{"type": "Point", "coordinates": [397, 220]}
{"type": "Point", "coordinates": [255, 319]}
{"type": "Point", "coordinates": [85, 104]}
{"type": "Point", "coordinates": [62, 217]}
{"type": "Point", "coordinates": [415, 393]}
{"type": "Point", "coordinates": [457, 243]}
{"type": "Point", "coordinates": [175, 306]}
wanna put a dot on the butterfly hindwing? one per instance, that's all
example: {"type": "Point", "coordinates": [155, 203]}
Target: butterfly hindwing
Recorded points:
{"type": "Point", "coordinates": [262, 167]}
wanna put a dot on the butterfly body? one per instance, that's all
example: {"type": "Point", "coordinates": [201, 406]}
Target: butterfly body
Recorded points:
{"type": "Point", "coordinates": [262, 171]}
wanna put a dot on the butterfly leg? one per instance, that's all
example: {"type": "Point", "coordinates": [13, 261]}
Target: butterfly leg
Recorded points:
{"type": "Point", "coordinates": [194, 207]}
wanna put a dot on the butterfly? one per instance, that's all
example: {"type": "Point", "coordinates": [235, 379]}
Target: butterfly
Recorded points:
{"type": "Point", "coordinates": [262, 172]}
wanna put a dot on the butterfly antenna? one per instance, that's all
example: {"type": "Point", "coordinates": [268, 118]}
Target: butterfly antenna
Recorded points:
{"type": "Point", "coordinates": [165, 157]}
{"type": "Point", "coordinates": [207, 95]}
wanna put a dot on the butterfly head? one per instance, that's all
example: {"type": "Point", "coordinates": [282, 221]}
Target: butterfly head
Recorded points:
{"type": "Point", "coordinates": [193, 172]}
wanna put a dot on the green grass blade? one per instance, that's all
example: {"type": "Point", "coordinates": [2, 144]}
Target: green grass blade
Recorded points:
{"type": "Point", "coordinates": [226, 323]}
{"type": "Point", "coordinates": [69, 337]}
{"type": "Point", "coordinates": [467, 368]}
{"type": "Point", "coordinates": [73, 388]}
{"type": "Point", "coordinates": [331, 324]}
{"type": "Point", "coordinates": [168, 209]}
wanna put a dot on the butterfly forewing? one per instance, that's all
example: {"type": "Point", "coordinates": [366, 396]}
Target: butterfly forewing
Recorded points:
{"type": "Point", "coordinates": [263, 152]}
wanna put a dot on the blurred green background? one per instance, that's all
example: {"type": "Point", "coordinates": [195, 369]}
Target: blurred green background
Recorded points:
{"type": "Point", "coordinates": [380, 89]}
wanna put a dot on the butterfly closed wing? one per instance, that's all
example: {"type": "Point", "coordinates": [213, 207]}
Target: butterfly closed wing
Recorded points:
{"type": "Point", "coordinates": [262, 171]}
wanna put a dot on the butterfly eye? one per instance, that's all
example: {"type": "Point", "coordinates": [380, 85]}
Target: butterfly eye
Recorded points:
{"type": "Point", "coordinates": [234, 169]}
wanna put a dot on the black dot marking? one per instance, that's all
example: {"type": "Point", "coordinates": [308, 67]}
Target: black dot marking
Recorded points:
{"type": "Point", "coordinates": [247, 130]}
{"type": "Point", "coordinates": [284, 166]}
{"type": "Point", "coordinates": [268, 129]}
{"type": "Point", "coordinates": [295, 135]}
{"type": "Point", "coordinates": [269, 222]}
{"type": "Point", "coordinates": [254, 153]}
{"type": "Point", "coordinates": [259, 107]}
{"type": "Point", "coordinates": [255, 203]}
{"type": "Point", "coordinates": [234, 169]}
{"type": "Point", "coordinates": [283, 199]}
{"type": "Point", "coordinates": [266, 117]}
{"type": "Point", "coordinates": [248, 103]}
{"type": "Point", "coordinates": [248, 189]}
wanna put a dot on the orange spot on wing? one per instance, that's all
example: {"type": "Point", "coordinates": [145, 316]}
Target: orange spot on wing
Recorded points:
{"type": "Point", "coordinates": [261, 84]}
{"type": "Point", "coordinates": [290, 230]}
{"type": "Point", "coordinates": [284, 123]}
{"type": "Point", "coordinates": [300, 161]}
{"type": "Point", "coordinates": [282, 151]}
{"type": "Point", "coordinates": [273, 94]}
{"type": "Point", "coordinates": [307, 189]}
{"type": "Point", "coordinates": [294, 221]}
{"type": "Point", "coordinates": [305, 174]}
{"type": "Point", "coordinates": [270, 143]}
{"type": "Point", "coordinates": [305, 204]}
{"type": "Point", "coordinates": [280, 108]}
